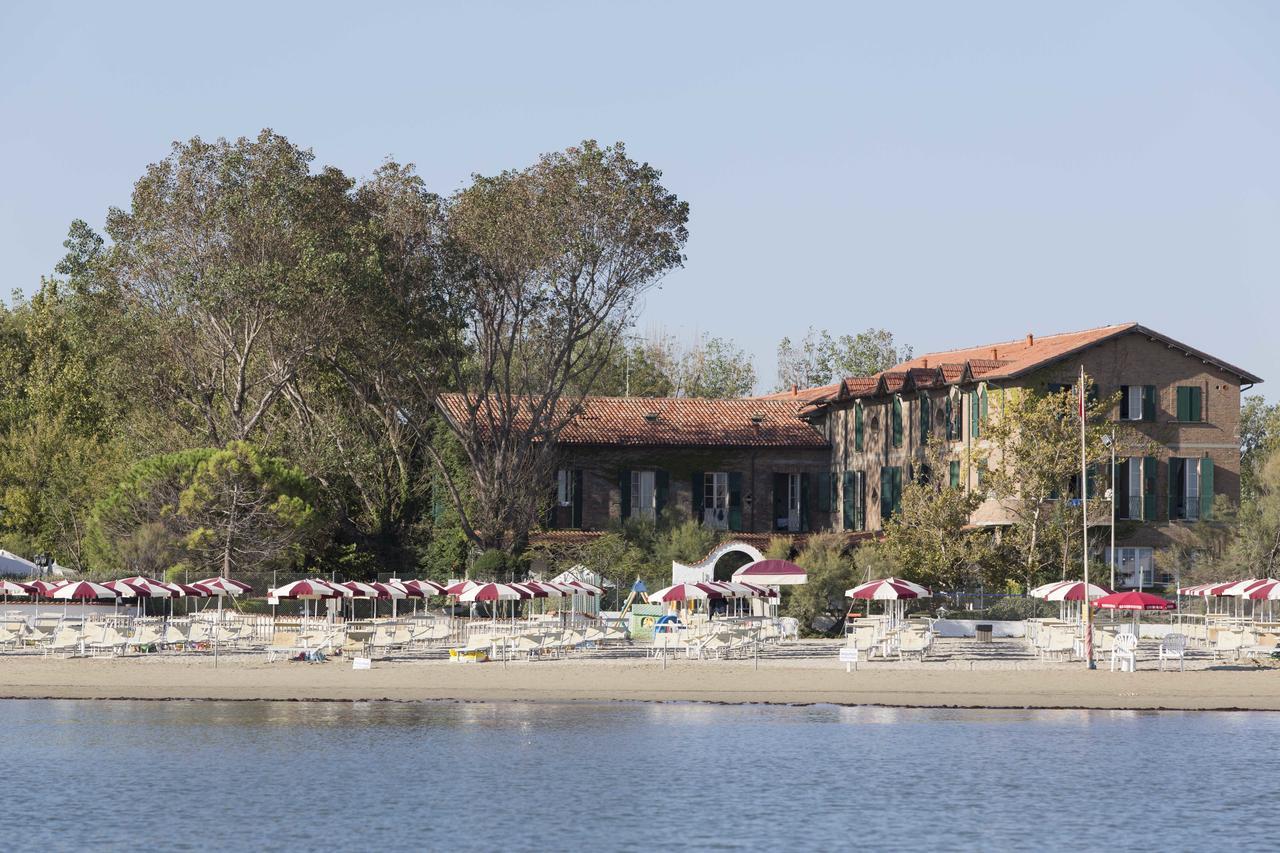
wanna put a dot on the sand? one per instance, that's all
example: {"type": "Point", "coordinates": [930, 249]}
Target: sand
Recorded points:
{"type": "Point", "coordinates": [818, 680]}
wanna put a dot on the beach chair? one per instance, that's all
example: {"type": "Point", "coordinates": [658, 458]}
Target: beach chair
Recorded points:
{"type": "Point", "coordinates": [914, 642]}
{"type": "Point", "coordinates": [1125, 652]}
{"type": "Point", "coordinates": [65, 641]}
{"type": "Point", "coordinates": [175, 635]}
{"type": "Point", "coordinates": [788, 628]}
{"type": "Point", "coordinates": [1228, 642]}
{"type": "Point", "coordinates": [283, 645]}
{"type": "Point", "coordinates": [1058, 642]}
{"type": "Point", "coordinates": [106, 639]}
{"type": "Point", "coordinates": [9, 638]}
{"type": "Point", "coordinates": [1173, 647]}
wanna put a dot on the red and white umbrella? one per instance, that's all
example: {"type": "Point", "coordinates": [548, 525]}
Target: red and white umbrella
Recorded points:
{"type": "Point", "coordinates": [734, 590]}
{"type": "Point", "coordinates": [388, 591]}
{"type": "Point", "coordinates": [1269, 591]}
{"type": "Point", "coordinates": [8, 587]}
{"type": "Point", "coordinates": [142, 587]}
{"type": "Point", "coordinates": [683, 592]}
{"type": "Point", "coordinates": [84, 591]}
{"type": "Point", "coordinates": [1069, 591]}
{"type": "Point", "coordinates": [224, 586]}
{"type": "Point", "coordinates": [460, 587]}
{"type": "Point", "coordinates": [761, 591]}
{"type": "Point", "coordinates": [188, 590]}
{"type": "Point", "coordinates": [771, 573]}
{"type": "Point", "coordinates": [309, 589]}
{"type": "Point", "coordinates": [360, 589]}
{"type": "Point", "coordinates": [426, 587]}
{"type": "Point", "coordinates": [45, 588]}
{"type": "Point", "coordinates": [531, 589]}
{"type": "Point", "coordinates": [888, 589]}
{"type": "Point", "coordinates": [490, 592]}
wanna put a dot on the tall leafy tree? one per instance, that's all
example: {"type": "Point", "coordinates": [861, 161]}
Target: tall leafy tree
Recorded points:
{"type": "Point", "coordinates": [550, 263]}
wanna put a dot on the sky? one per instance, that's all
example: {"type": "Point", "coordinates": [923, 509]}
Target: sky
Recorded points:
{"type": "Point", "coordinates": [958, 173]}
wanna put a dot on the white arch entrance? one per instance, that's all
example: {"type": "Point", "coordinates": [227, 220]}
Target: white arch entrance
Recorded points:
{"type": "Point", "coordinates": [704, 569]}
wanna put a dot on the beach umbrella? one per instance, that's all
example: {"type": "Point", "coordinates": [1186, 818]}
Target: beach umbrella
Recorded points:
{"type": "Point", "coordinates": [460, 587]}
{"type": "Point", "coordinates": [84, 591]}
{"type": "Point", "coordinates": [1135, 601]}
{"type": "Point", "coordinates": [888, 589]}
{"type": "Point", "coordinates": [360, 589]}
{"type": "Point", "coordinates": [306, 590]}
{"type": "Point", "coordinates": [771, 573]}
{"type": "Point", "coordinates": [490, 592]}
{"type": "Point", "coordinates": [148, 587]}
{"type": "Point", "coordinates": [761, 591]}
{"type": "Point", "coordinates": [683, 592]}
{"type": "Point", "coordinates": [426, 587]}
{"type": "Point", "coordinates": [9, 587]}
{"type": "Point", "coordinates": [45, 588]}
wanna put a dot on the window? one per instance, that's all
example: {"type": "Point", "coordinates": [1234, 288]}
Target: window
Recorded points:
{"type": "Point", "coordinates": [953, 470]}
{"type": "Point", "coordinates": [790, 501]}
{"type": "Point", "coordinates": [1190, 403]}
{"type": "Point", "coordinates": [855, 500]}
{"type": "Point", "coordinates": [1135, 567]}
{"type": "Point", "coordinates": [977, 412]}
{"type": "Point", "coordinates": [955, 417]}
{"type": "Point", "coordinates": [1190, 487]}
{"type": "Point", "coordinates": [897, 421]}
{"type": "Point", "coordinates": [1137, 402]}
{"type": "Point", "coordinates": [715, 500]}
{"type": "Point", "coordinates": [564, 487]}
{"type": "Point", "coordinates": [926, 421]}
{"type": "Point", "coordinates": [857, 426]}
{"type": "Point", "coordinates": [644, 495]}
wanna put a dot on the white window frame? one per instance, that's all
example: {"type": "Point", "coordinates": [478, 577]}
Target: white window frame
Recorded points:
{"type": "Point", "coordinates": [792, 519]}
{"type": "Point", "coordinates": [1135, 403]}
{"type": "Point", "coordinates": [1135, 565]}
{"type": "Point", "coordinates": [564, 487]}
{"type": "Point", "coordinates": [715, 499]}
{"type": "Point", "coordinates": [644, 494]}
{"type": "Point", "coordinates": [1135, 487]}
{"type": "Point", "coordinates": [1191, 491]}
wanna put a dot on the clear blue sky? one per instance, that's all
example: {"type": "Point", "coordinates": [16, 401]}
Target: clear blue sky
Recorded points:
{"type": "Point", "coordinates": [956, 172]}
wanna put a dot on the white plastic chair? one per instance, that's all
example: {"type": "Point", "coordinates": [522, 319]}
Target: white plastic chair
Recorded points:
{"type": "Point", "coordinates": [1173, 647]}
{"type": "Point", "coordinates": [1125, 651]}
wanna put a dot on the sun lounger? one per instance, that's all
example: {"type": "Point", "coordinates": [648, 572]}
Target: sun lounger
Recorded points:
{"type": "Point", "coordinates": [106, 639]}
{"type": "Point", "coordinates": [914, 642]}
{"type": "Point", "coordinates": [1228, 642]}
{"type": "Point", "coordinates": [65, 641]}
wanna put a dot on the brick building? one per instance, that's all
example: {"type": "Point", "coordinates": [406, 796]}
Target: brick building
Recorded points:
{"type": "Point", "coordinates": [1185, 403]}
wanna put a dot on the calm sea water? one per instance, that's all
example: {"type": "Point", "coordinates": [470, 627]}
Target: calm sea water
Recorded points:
{"type": "Point", "coordinates": [333, 776]}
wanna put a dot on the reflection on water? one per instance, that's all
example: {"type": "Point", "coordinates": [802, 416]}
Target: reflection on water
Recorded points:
{"type": "Point", "coordinates": [285, 775]}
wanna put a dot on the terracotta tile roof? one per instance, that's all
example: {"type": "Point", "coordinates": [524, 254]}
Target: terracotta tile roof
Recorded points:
{"type": "Point", "coordinates": [680, 421]}
{"type": "Point", "coordinates": [802, 394]}
{"type": "Point", "coordinates": [759, 540]}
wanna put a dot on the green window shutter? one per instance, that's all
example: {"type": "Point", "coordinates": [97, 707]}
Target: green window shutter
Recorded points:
{"type": "Point", "coordinates": [735, 500]}
{"type": "Point", "coordinates": [897, 489]}
{"type": "Point", "coordinates": [1149, 469]}
{"type": "Point", "coordinates": [973, 414]}
{"type": "Point", "coordinates": [1184, 403]}
{"type": "Point", "coordinates": [1148, 402]}
{"type": "Point", "coordinates": [947, 411]}
{"type": "Point", "coordinates": [697, 486]}
{"type": "Point", "coordinates": [925, 417]}
{"type": "Point", "coordinates": [847, 504]}
{"type": "Point", "coordinates": [1175, 475]}
{"type": "Point", "coordinates": [857, 426]}
{"type": "Point", "coordinates": [982, 410]}
{"type": "Point", "coordinates": [804, 501]}
{"type": "Point", "coordinates": [624, 490]}
{"type": "Point", "coordinates": [953, 469]}
{"type": "Point", "coordinates": [860, 500]}
{"type": "Point", "coordinates": [662, 489]}
{"type": "Point", "coordinates": [886, 494]}
{"type": "Point", "coordinates": [1206, 486]}
{"type": "Point", "coordinates": [576, 520]}
{"type": "Point", "coordinates": [897, 421]}
{"type": "Point", "coordinates": [1195, 401]}
{"type": "Point", "coordinates": [824, 492]}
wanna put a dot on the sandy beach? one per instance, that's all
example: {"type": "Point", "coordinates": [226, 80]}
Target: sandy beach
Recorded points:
{"type": "Point", "coordinates": [249, 677]}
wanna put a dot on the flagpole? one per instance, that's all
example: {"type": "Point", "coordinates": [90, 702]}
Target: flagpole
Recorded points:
{"type": "Point", "coordinates": [1084, 516]}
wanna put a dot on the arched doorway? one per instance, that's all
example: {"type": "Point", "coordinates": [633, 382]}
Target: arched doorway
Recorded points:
{"type": "Point", "coordinates": [720, 564]}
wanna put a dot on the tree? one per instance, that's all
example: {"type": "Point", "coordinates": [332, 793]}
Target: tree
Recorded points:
{"type": "Point", "coordinates": [1259, 437]}
{"type": "Point", "coordinates": [716, 368]}
{"type": "Point", "coordinates": [219, 511]}
{"type": "Point", "coordinates": [1032, 462]}
{"type": "Point", "coordinates": [659, 366]}
{"type": "Point", "coordinates": [930, 533]}
{"type": "Point", "coordinates": [820, 359]}
{"type": "Point", "coordinates": [830, 571]}
{"type": "Point", "coordinates": [549, 263]}
{"type": "Point", "coordinates": [231, 266]}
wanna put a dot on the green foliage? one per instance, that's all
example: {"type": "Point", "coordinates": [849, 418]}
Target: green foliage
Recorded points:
{"type": "Point", "coordinates": [779, 548]}
{"type": "Point", "coordinates": [830, 572]}
{"type": "Point", "coordinates": [218, 511]}
{"type": "Point", "coordinates": [821, 358]}
{"type": "Point", "coordinates": [1259, 439]}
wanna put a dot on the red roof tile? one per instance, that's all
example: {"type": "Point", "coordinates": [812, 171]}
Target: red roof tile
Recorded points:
{"type": "Point", "coordinates": [679, 421]}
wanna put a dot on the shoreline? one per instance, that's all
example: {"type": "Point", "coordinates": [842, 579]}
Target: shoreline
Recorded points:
{"type": "Point", "coordinates": [246, 678]}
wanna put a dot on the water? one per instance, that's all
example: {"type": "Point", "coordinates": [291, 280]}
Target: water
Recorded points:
{"type": "Point", "coordinates": [293, 776]}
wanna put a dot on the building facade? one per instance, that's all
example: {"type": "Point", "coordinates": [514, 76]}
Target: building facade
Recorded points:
{"type": "Point", "coordinates": [1184, 404]}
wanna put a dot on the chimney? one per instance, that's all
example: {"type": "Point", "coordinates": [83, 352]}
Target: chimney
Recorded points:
{"type": "Point", "coordinates": [924, 362]}
{"type": "Point", "coordinates": [795, 389]}
{"type": "Point", "coordinates": [1031, 339]}
{"type": "Point", "coordinates": [995, 355]}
